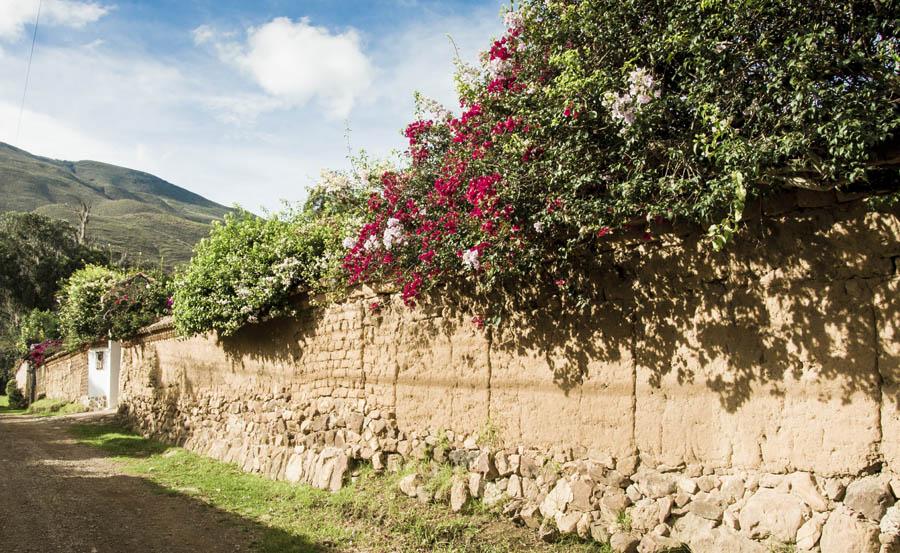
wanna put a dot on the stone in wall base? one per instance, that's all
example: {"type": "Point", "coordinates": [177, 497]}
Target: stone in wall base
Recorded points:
{"type": "Point", "coordinates": [97, 403]}
{"type": "Point", "coordinates": [623, 501]}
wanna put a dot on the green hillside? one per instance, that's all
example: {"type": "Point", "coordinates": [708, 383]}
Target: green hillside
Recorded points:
{"type": "Point", "coordinates": [132, 212]}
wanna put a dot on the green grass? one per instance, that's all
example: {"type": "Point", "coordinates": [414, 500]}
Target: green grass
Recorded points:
{"type": "Point", "coordinates": [5, 409]}
{"type": "Point", "coordinates": [369, 513]}
{"type": "Point", "coordinates": [51, 407]}
{"type": "Point", "coordinates": [623, 519]}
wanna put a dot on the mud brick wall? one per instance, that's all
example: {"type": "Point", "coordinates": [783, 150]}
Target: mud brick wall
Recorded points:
{"type": "Point", "coordinates": [64, 377]}
{"type": "Point", "coordinates": [775, 363]}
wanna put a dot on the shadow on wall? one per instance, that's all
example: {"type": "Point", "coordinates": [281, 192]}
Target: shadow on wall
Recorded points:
{"type": "Point", "coordinates": [791, 300]}
{"type": "Point", "coordinates": [277, 341]}
{"type": "Point", "coordinates": [165, 392]}
{"type": "Point", "coordinates": [569, 332]}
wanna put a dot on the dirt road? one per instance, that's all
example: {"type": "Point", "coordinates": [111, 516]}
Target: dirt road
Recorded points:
{"type": "Point", "coordinates": [59, 496]}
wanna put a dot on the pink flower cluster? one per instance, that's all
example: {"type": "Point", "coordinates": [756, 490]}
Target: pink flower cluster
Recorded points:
{"type": "Point", "coordinates": [448, 212]}
{"type": "Point", "coordinates": [38, 353]}
{"type": "Point", "coordinates": [413, 131]}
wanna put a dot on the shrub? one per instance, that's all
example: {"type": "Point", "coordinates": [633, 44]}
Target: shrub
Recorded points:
{"type": "Point", "coordinates": [591, 119]}
{"type": "Point", "coordinates": [245, 271]}
{"type": "Point", "coordinates": [36, 327]}
{"type": "Point", "coordinates": [16, 398]}
{"type": "Point", "coordinates": [249, 268]}
{"type": "Point", "coordinates": [81, 304]}
{"type": "Point", "coordinates": [135, 301]}
{"type": "Point", "coordinates": [99, 302]}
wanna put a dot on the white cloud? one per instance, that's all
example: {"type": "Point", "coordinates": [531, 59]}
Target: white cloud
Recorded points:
{"type": "Point", "coordinates": [16, 14]}
{"type": "Point", "coordinates": [187, 119]}
{"type": "Point", "coordinates": [421, 57]}
{"type": "Point", "coordinates": [243, 108]}
{"type": "Point", "coordinates": [50, 136]}
{"type": "Point", "coordinates": [203, 34]}
{"type": "Point", "coordinates": [296, 62]}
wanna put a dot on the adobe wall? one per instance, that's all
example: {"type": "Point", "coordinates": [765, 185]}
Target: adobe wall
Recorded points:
{"type": "Point", "coordinates": [63, 377]}
{"type": "Point", "coordinates": [761, 380]}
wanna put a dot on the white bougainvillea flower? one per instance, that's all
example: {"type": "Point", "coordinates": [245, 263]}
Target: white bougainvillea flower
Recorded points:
{"type": "Point", "coordinates": [393, 234]}
{"type": "Point", "coordinates": [470, 259]}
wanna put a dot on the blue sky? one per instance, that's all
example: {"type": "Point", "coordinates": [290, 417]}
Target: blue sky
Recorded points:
{"type": "Point", "coordinates": [241, 101]}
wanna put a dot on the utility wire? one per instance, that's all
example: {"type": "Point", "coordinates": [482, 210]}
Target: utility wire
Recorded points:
{"type": "Point", "coordinates": [37, 18]}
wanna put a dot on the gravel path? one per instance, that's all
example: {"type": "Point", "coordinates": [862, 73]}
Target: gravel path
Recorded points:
{"type": "Point", "coordinates": [59, 496]}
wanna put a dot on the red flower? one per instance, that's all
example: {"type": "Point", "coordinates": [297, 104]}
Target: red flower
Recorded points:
{"type": "Point", "coordinates": [603, 232]}
{"type": "Point", "coordinates": [427, 257]}
{"type": "Point", "coordinates": [414, 129]}
{"type": "Point", "coordinates": [501, 84]}
{"type": "Point", "coordinates": [411, 290]}
{"type": "Point", "coordinates": [499, 50]}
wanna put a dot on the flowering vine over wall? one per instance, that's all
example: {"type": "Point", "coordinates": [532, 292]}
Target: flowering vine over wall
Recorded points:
{"type": "Point", "coordinates": [586, 121]}
{"type": "Point", "coordinates": [590, 119]}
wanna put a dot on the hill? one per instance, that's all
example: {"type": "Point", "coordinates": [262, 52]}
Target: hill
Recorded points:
{"type": "Point", "coordinates": [132, 212]}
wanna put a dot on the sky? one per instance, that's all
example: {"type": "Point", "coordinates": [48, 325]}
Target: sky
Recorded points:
{"type": "Point", "coordinates": [244, 102]}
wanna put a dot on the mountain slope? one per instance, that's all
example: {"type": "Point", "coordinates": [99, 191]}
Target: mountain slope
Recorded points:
{"type": "Point", "coordinates": [132, 212]}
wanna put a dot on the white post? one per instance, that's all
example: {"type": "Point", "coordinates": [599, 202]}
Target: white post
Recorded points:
{"type": "Point", "coordinates": [115, 363]}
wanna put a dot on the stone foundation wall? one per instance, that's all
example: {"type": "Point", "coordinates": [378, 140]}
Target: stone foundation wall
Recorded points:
{"type": "Point", "coordinates": [734, 401]}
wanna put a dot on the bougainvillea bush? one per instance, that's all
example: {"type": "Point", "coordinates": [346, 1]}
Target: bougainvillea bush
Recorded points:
{"type": "Point", "coordinates": [592, 119]}
{"type": "Point", "coordinates": [249, 268]}
{"type": "Point", "coordinates": [134, 301]}
{"type": "Point", "coordinates": [39, 353]}
{"type": "Point", "coordinates": [36, 327]}
{"type": "Point", "coordinates": [100, 302]}
{"type": "Point", "coordinates": [80, 304]}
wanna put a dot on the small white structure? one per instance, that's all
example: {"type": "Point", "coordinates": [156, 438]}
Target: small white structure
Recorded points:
{"type": "Point", "coordinates": [103, 374]}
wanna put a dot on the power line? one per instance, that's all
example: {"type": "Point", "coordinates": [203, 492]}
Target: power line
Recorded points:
{"type": "Point", "coordinates": [37, 18]}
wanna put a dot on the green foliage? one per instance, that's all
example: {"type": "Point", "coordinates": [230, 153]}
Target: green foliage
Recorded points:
{"type": "Point", "coordinates": [490, 435]}
{"type": "Point", "coordinates": [8, 354]}
{"type": "Point", "coordinates": [36, 253]}
{"type": "Point", "coordinates": [369, 514]}
{"type": "Point", "coordinates": [599, 118]}
{"type": "Point", "coordinates": [249, 268]}
{"type": "Point", "coordinates": [98, 302]}
{"type": "Point", "coordinates": [16, 399]}
{"type": "Point", "coordinates": [81, 304]}
{"type": "Point", "coordinates": [623, 519]}
{"type": "Point", "coordinates": [244, 272]}
{"type": "Point", "coordinates": [37, 326]}
{"type": "Point", "coordinates": [50, 407]}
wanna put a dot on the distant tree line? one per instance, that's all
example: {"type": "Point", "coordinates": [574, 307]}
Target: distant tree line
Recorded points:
{"type": "Point", "coordinates": [58, 292]}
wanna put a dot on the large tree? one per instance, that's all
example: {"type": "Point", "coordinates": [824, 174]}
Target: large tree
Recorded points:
{"type": "Point", "coordinates": [36, 254]}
